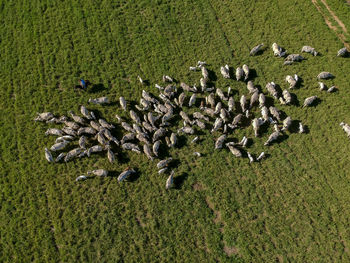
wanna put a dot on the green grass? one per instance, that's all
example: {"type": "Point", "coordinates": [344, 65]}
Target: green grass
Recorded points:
{"type": "Point", "coordinates": [293, 206]}
{"type": "Point", "coordinates": [341, 9]}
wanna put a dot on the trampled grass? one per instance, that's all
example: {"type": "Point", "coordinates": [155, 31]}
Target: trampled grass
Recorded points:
{"type": "Point", "coordinates": [293, 206]}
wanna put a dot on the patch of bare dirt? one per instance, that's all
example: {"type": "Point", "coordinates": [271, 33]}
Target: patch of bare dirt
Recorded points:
{"type": "Point", "coordinates": [127, 79]}
{"type": "Point", "coordinates": [217, 219]}
{"type": "Point", "coordinates": [59, 86]}
{"type": "Point", "coordinates": [279, 258]}
{"type": "Point", "coordinates": [139, 221]}
{"type": "Point", "coordinates": [346, 250]}
{"type": "Point", "coordinates": [231, 250]}
{"type": "Point", "coordinates": [197, 187]}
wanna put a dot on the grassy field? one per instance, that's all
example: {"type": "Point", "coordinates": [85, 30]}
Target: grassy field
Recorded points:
{"type": "Point", "coordinates": [292, 207]}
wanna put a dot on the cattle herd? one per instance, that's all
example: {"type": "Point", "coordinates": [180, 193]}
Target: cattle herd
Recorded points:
{"type": "Point", "coordinates": [152, 121]}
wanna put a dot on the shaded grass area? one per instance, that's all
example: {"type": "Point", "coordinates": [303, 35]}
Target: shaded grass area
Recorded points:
{"type": "Point", "coordinates": [293, 206]}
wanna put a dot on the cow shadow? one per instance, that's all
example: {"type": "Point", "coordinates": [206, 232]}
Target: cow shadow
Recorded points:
{"type": "Point", "coordinates": [133, 177]}
{"type": "Point", "coordinates": [269, 101]}
{"type": "Point", "coordinates": [113, 174]}
{"type": "Point", "coordinates": [174, 164]}
{"type": "Point", "coordinates": [300, 83]}
{"type": "Point", "coordinates": [146, 82]}
{"type": "Point", "coordinates": [294, 127]}
{"type": "Point", "coordinates": [181, 141]}
{"type": "Point", "coordinates": [96, 88]}
{"type": "Point", "coordinates": [280, 139]}
{"type": "Point", "coordinates": [267, 155]}
{"type": "Point", "coordinates": [347, 55]}
{"type": "Point", "coordinates": [179, 180]}
{"type": "Point", "coordinates": [252, 75]}
{"type": "Point", "coordinates": [232, 72]}
{"type": "Point", "coordinates": [315, 103]}
{"type": "Point", "coordinates": [283, 115]}
{"type": "Point", "coordinates": [212, 75]}
{"type": "Point", "coordinates": [260, 52]}
{"type": "Point", "coordinates": [121, 156]}
{"type": "Point", "coordinates": [163, 151]}
{"type": "Point", "coordinates": [295, 100]}
{"type": "Point", "coordinates": [264, 128]}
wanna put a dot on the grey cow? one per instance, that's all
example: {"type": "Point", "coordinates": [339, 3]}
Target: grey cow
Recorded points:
{"type": "Point", "coordinates": [170, 181]}
{"type": "Point", "coordinates": [325, 75]}
{"type": "Point", "coordinates": [54, 131]}
{"type": "Point", "coordinates": [219, 142]}
{"type": "Point", "coordinates": [273, 137]}
{"type": "Point", "coordinates": [101, 100]}
{"type": "Point", "coordinates": [287, 97]}
{"type": "Point", "coordinates": [308, 49]}
{"type": "Point", "coordinates": [122, 102]}
{"type": "Point", "coordinates": [342, 52]}
{"type": "Point", "coordinates": [161, 164]}
{"type": "Point", "coordinates": [86, 113]}
{"type": "Point", "coordinates": [98, 172]}
{"type": "Point", "coordinates": [124, 175]}
{"type": "Point", "coordinates": [44, 116]}
{"type": "Point", "coordinates": [309, 101]}
{"type": "Point", "coordinates": [292, 58]}
{"type": "Point", "coordinates": [147, 151]}
{"type": "Point", "coordinates": [255, 49]}
{"type": "Point", "coordinates": [48, 156]}
{"type": "Point", "coordinates": [59, 146]}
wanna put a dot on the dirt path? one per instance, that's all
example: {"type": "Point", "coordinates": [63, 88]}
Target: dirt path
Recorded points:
{"type": "Point", "coordinates": [340, 23]}
{"type": "Point", "coordinates": [329, 24]}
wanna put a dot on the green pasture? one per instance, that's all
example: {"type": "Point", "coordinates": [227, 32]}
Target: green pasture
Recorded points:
{"type": "Point", "coordinates": [294, 206]}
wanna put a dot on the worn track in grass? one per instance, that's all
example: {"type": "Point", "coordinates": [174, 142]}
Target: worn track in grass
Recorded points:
{"type": "Point", "coordinates": [331, 14]}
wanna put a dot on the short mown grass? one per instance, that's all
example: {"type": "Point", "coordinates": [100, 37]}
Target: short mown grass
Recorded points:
{"type": "Point", "coordinates": [293, 206]}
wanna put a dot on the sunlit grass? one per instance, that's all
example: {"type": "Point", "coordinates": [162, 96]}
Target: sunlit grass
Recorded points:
{"type": "Point", "coordinates": [292, 206]}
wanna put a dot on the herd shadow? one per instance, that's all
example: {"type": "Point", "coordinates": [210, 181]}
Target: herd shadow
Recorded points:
{"type": "Point", "coordinates": [146, 82]}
